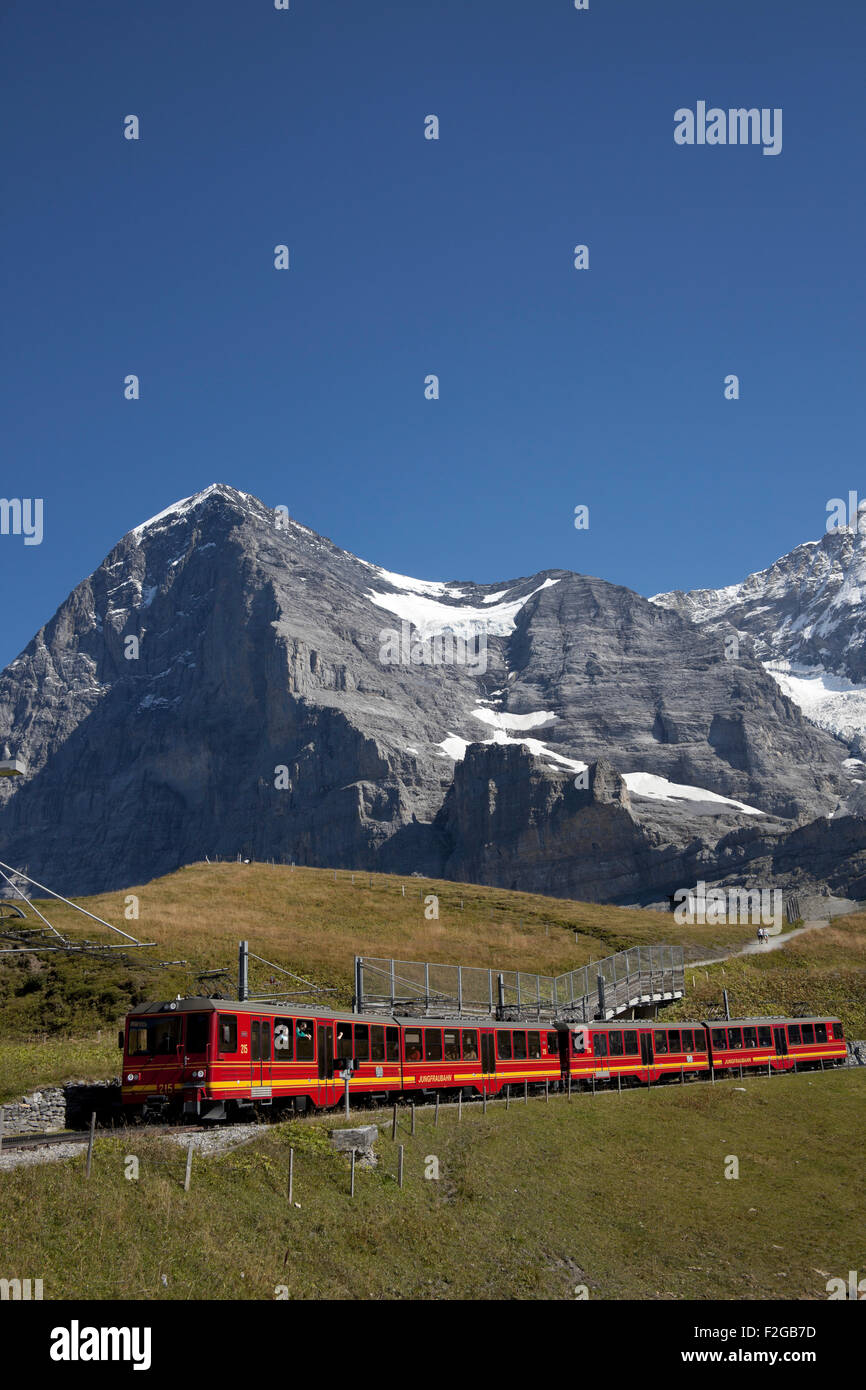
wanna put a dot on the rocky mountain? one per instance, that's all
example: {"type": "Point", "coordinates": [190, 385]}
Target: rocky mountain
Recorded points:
{"type": "Point", "coordinates": [228, 680]}
{"type": "Point", "coordinates": [805, 620]}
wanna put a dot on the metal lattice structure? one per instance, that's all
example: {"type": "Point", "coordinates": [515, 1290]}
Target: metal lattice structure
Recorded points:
{"type": "Point", "coordinates": [607, 988]}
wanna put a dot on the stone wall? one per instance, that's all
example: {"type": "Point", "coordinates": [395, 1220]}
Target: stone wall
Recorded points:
{"type": "Point", "coordinates": [62, 1107]}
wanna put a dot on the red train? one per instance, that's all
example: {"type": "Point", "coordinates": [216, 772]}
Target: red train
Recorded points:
{"type": "Point", "coordinates": [214, 1058]}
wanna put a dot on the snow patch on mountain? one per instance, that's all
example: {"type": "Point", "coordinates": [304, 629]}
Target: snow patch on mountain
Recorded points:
{"type": "Point", "coordinates": [831, 702]}
{"type": "Point", "coordinates": [498, 720]}
{"type": "Point", "coordinates": [430, 618]}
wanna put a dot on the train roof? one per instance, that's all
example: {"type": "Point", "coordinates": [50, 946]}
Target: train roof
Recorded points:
{"type": "Point", "coordinates": [737, 1022]}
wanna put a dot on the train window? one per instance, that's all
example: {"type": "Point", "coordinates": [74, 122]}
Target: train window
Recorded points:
{"type": "Point", "coordinates": [719, 1037]}
{"type": "Point", "coordinates": [283, 1040]}
{"type": "Point", "coordinates": [306, 1043]}
{"type": "Point", "coordinates": [688, 1043]}
{"type": "Point", "coordinates": [660, 1039]}
{"type": "Point", "coordinates": [362, 1042]}
{"type": "Point", "coordinates": [344, 1042]}
{"type": "Point", "coordinates": [820, 1032]}
{"type": "Point", "coordinates": [808, 1033]}
{"type": "Point", "coordinates": [266, 1042]}
{"type": "Point", "coordinates": [794, 1033]}
{"type": "Point", "coordinates": [750, 1037]}
{"type": "Point", "coordinates": [227, 1025]}
{"type": "Point", "coordinates": [735, 1037]}
{"type": "Point", "coordinates": [433, 1044]}
{"type": "Point", "coordinates": [629, 1040]}
{"type": "Point", "coordinates": [615, 1040]}
{"type": "Point", "coordinates": [255, 1042]}
{"type": "Point", "coordinates": [452, 1045]}
{"type": "Point", "coordinates": [765, 1037]}
{"type": "Point", "coordinates": [599, 1044]}
{"type": "Point", "coordinates": [519, 1045]}
{"type": "Point", "coordinates": [503, 1046]}
{"type": "Point", "coordinates": [838, 1030]}
{"type": "Point", "coordinates": [553, 1043]}
{"type": "Point", "coordinates": [392, 1044]}
{"type": "Point", "coordinates": [412, 1043]}
{"type": "Point", "coordinates": [377, 1043]}
{"type": "Point", "coordinates": [674, 1039]}
{"type": "Point", "coordinates": [197, 1032]}
{"type": "Point", "coordinates": [148, 1036]}
{"type": "Point", "coordinates": [534, 1040]}
{"type": "Point", "coordinates": [470, 1045]}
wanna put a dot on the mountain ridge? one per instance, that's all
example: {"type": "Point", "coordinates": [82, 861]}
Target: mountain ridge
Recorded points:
{"type": "Point", "coordinates": [226, 679]}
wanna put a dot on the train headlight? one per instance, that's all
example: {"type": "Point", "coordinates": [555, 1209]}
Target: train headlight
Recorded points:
{"type": "Point", "coordinates": [133, 1076]}
{"type": "Point", "coordinates": [198, 1073]}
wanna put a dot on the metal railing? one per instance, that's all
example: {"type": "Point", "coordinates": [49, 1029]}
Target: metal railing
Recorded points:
{"type": "Point", "coordinates": [602, 989]}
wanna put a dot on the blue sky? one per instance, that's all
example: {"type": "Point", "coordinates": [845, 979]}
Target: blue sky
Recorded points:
{"type": "Point", "coordinates": [410, 257]}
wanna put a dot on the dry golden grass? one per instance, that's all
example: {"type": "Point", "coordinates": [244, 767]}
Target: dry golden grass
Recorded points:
{"type": "Point", "coordinates": [309, 922]}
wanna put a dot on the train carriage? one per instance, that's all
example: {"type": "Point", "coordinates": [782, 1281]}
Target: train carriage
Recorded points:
{"type": "Point", "coordinates": [777, 1044]}
{"type": "Point", "coordinates": [638, 1051]}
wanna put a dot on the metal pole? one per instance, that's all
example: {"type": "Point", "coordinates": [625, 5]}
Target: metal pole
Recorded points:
{"type": "Point", "coordinates": [619, 1082]}
{"type": "Point", "coordinates": [484, 1101]}
{"type": "Point", "coordinates": [346, 1096]}
{"type": "Point", "coordinates": [413, 1117]}
{"type": "Point", "coordinates": [436, 1116]}
{"type": "Point", "coordinates": [459, 1106]}
{"type": "Point", "coordinates": [90, 1143]}
{"type": "Point", "coordinates": [352, 1184]}
{"type": "Point", "coordinates": [188, 1175]}
{"type": "Point", "coordinates": [569, 1083]}
{"type": "Point", "coordinates": [507, 1095]}
{"type": "Point", "coordinates": [291, 1174]}
{"type": "Point", "coordinates": [727, 1007]}
{"type": "Point", "coordinates": [526, 1093]}
{"type": "Point", "coordinates": [400, 1166]}
{"type": "Point", "coordinates": [243, 970]}
{"type": "Point", "coordinates": [547, 1091]}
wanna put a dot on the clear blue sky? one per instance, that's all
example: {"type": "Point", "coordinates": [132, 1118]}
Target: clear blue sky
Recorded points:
{"type": "Point", "coordinates": [453, 257]}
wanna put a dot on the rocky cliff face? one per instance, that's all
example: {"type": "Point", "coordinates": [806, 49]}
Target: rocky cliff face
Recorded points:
{"type": "Point", "coordinates": [227, 680]}
{"type": "Point", "coordinates": [804, 619]}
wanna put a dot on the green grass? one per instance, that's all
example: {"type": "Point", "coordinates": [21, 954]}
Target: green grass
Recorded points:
{"type": "Point", "coordinates": [27, 1065]}
{"type": "Point", "coordinates": [625, 1195]}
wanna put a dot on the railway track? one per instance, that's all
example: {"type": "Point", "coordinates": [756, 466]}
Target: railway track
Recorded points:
{"type": "Point", "coordinates": [81, 1136]}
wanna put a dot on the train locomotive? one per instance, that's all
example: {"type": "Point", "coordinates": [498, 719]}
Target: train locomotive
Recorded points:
{"type": "Point", "coordinates": [215, 1059]}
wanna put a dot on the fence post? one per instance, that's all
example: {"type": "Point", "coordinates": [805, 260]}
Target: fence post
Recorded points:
{"type": "Point", "coordinates": [526, 1093]}
{"type": "Point", "coordinates": [569, 1083]}
{"type": "Point", "coordinates": [547, 1091]}
{"type": "Point", "coordinates": [90, 1143]}
{"type": "Point", "coordinates": [682, 1073]}
{"type": "Point", "coordinates": [188, 1174]}
{"type": "Point", "coordinates": [507, 1095]}
{"type": "Point", "coordinates": [352, 1181]}
{"type": "Point", "coordinates": [413, 1118]}
{"type": "Point", "coordinates": [619, 1082]}
{"type": "Point", "coordinates": [436, 1115]}
{"type": "Point", "coordinates": [394, 1123]}
{"type": "Point", "coordinates": [346, 1096]}
{"type": "Point", "coordinates": [459, 1106]}
{"type": "Point", "coordinates": [400, 1166]}
{"type": "Point", "coordinates": [291, 1174]}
